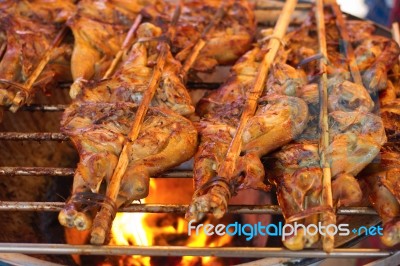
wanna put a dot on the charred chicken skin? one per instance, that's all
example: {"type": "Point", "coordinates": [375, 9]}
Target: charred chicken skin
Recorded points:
{"type": "Point", "coordinates": [100, 118]}
{"type": "Point", "coordinates": [28, 29]}
{"type": "Point", "coordinates": [278, 120]}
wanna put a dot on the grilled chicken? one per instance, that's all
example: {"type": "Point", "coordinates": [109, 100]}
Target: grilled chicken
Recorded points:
{"type": "Point", "coordinates": [390, 113]}
{"type": "Point", "coordinates": [100, 118]}
{"type": "Point", "coordinates": [383, 177]}
{"type": "Point", "coordinates": [303, 47]}
{"type": "Point", "coordinates": [278, 120]}
{"type": "Point", "coordinates": [385, 199]}
{"type": "Point", "coordinates": [356, 135]}
{"type": "Point", "coordinates": [375, 57]}
{"type": "Point", "coordinates": [356, 139]}
{"type": "Point", "coordinates": [99, 28]}
{"type": "Point", "coordinates": [28, 29]}
{"type": "Point", "coordinates": [347, 96]}
{"type": "Point", "coordinates": [227, 40]}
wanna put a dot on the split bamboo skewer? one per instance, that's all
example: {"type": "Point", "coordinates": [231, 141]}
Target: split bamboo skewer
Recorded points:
{"type": "Point", "coordinates": [201, 42]}
{"type": "Point", "coordinates": [327, 217]}
{"type": "Point", "coordinates": [396, 33]}
{"type": "Point", "coordinates": [125, 46]}
{"type": "Point", "coordinates": [227, 168]}
{"type": "Point", "coordinates": [21, 96]}
{"type": "Point", "coordinates": [340, 22]}
{"type": "Point", "coordinates": [103, 219]}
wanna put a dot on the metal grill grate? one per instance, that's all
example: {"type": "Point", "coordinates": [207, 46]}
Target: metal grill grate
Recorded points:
{"type": "Point", "coordinates": [149, 208]}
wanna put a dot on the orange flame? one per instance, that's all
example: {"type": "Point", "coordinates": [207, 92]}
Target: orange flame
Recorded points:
{"type": "Point", "coordinates": [135, 229]}
{"type": "Point", "coordinates": [130, 229]}
{"type": "Point", "coordinates": [201, 240]}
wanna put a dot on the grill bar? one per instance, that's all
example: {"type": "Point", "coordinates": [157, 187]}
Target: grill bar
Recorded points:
{"type": "Point", "coordinates": [56, 136]}
{"type": "Point", "coordinates": [35, 171]}
{"type": "Point", "coordinates": [57, 171]}
{"type": "Point", "coordinates": [189, 85]}
{"type": "Point", "coordinates": [171, 208]}
{"type": "Point", "coordinates": [229, 252]}
{"type": "Point", "coordinates": [38, 136]}
{"type": "Point", "coordinates": [44, 108]}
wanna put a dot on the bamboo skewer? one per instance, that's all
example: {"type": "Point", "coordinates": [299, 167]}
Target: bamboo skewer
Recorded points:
{"type": "Point", "coordinates": [21, 96]}
{"type": "Point", "coordinates": [227, 168]}
{"type": "Point", "coordinates": [103, 219]}
{"type": "Point", "coordinates": [355, 72]}
{"type": "Point", "coordinates": [396, 33]}
{"type": "Point", "coordinates": [328, 217]}
{"type": "Point", "coordinates": [201, 42]}
{"type": "Point", "coordinates": [125, 46]}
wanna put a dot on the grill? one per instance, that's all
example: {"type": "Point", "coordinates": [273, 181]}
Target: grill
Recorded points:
{"type": "Point", "coordinates": [249, 252]}
{"type": "Point", "coordinates": [7, 172]}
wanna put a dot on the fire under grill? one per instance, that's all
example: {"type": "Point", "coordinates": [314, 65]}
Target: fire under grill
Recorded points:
{"type": "Point", "coordinates": [232, 252]}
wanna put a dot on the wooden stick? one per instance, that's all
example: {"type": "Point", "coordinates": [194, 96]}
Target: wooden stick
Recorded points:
{"type": "Point", "coordinates": [328, 217]}
{"type": "Point", "coordinates": [125, 46]}
{"type": "Point", "coordinates": [3, 49]}
{"type": "Point", "coordinates": [21, 97]}
{"type": "Point", "coordinates": [396, 33]}
{"type": "Point", "coordinates": [227, 168]}
{"type": "Point", "coordinates": [340, 22]}
{"type": "Point", "coordinates": [103, 219]}
{"type": "Point", "coordinates": [201, 42]}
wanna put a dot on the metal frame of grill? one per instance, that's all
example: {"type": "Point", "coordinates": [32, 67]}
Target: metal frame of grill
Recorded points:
{"type": "Point", "coordinates": [248, 252]}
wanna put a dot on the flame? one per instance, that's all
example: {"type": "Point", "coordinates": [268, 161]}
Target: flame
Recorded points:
{"type": "Point", "coordinates": [201, 240]}
{"type": "Point", "coordinates": [135, 229]}
{"type": "Point", "coordinates": [130, 229]}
